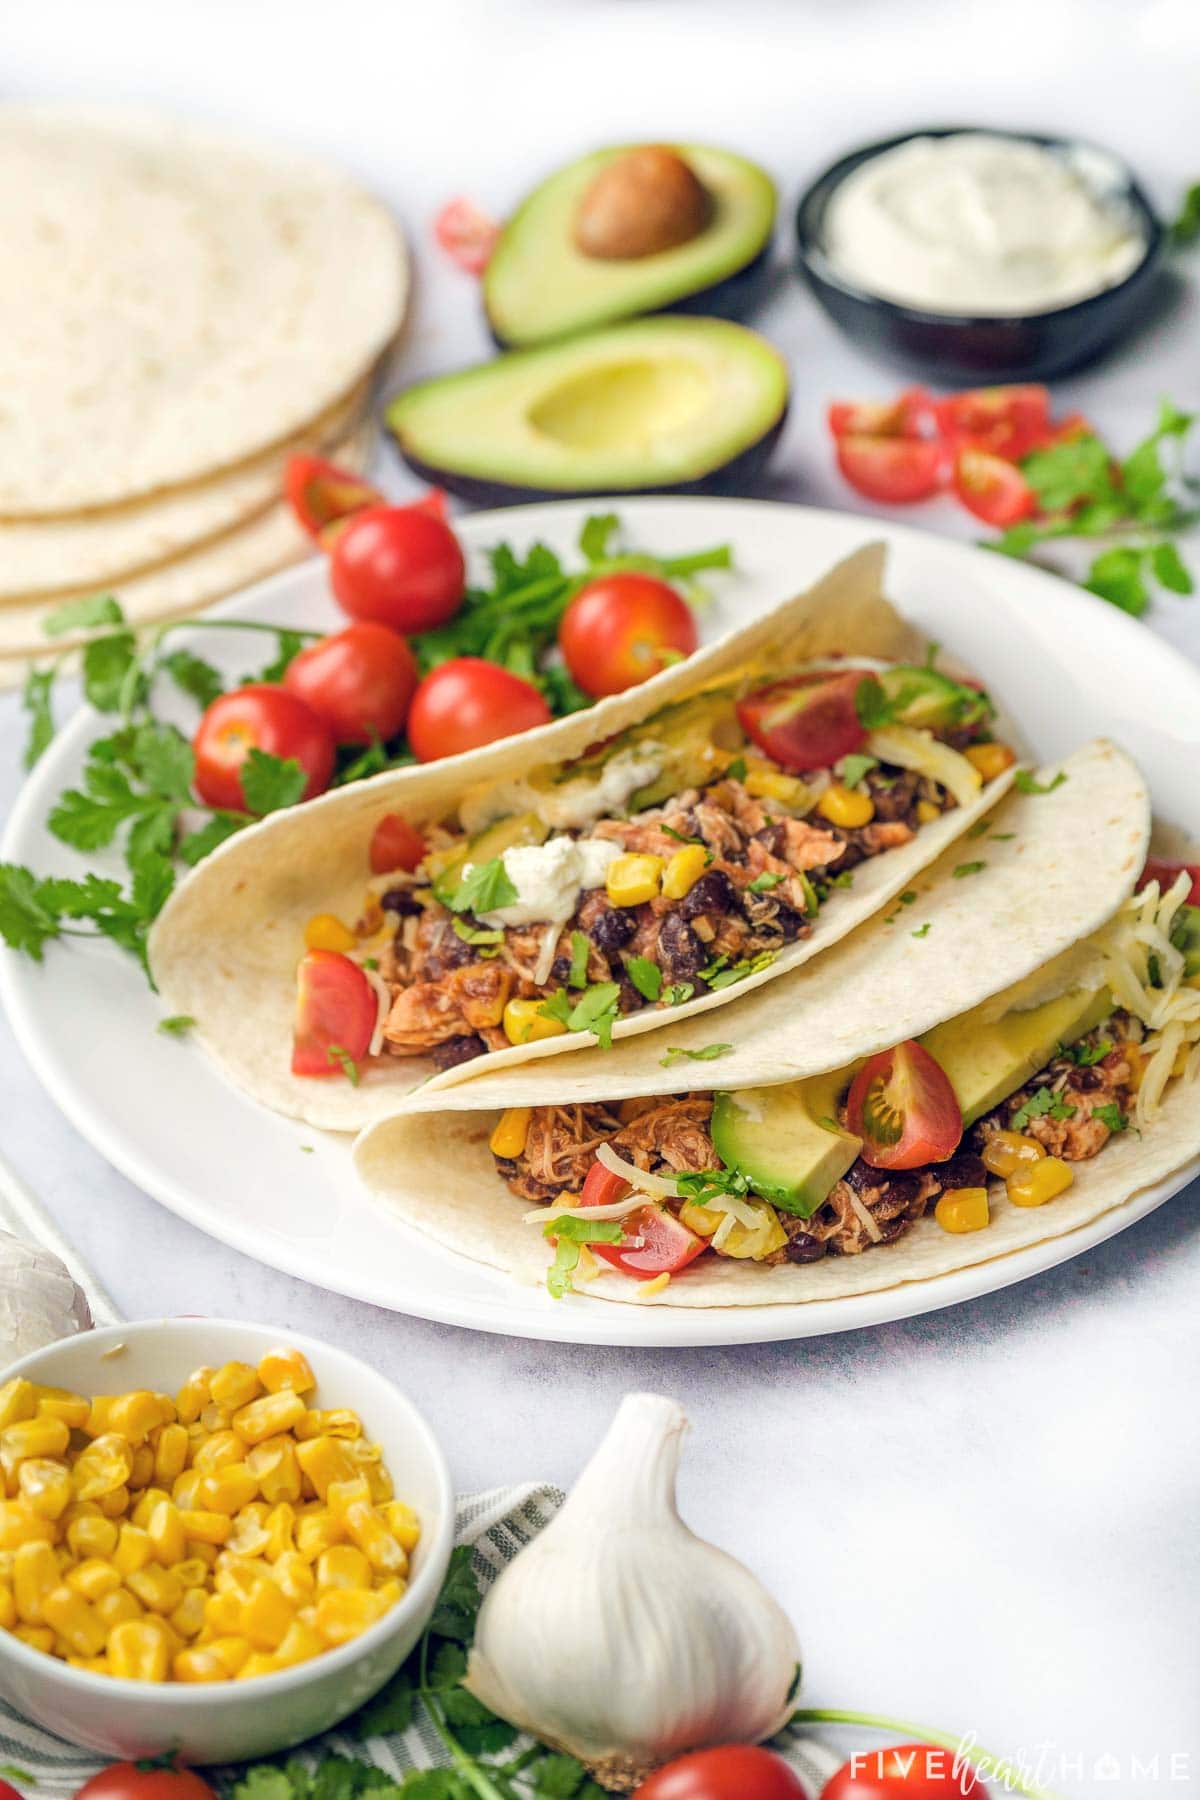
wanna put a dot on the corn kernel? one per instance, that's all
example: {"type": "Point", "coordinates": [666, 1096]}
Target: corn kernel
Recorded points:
{"type": "Point", "coordinates": [194, 1395]}
{"type": "Point", "coordinates": [192, 1571]}
{"type": "Point", "coordinates": [93, 1579]}
{"type": "Point", "coordinates": [201, 1527]}
{"type": "Point", "coordinates": [318, 1532]}
{"type": "Point", "coordinates": [1039, 1182]}
{"type": "Point", "coordinates": [281, 1526]}
{"type": "Point", "coordinates": [511, 1131]}
{"type": "Point", "coordinates": [773, 784]}
{"type": "Point", "coordinates": [403, 1524]}
{"type": "Point", "coordinates": [69, 1614]}
{"type": "Point", "coordinates": [963, 1209]}
{"type": "Point", "coordinates": [340, 1422]}
{"type": "Point", "coordinates": [116, 1608]}
{"type": "Point", "coordinates": [232, 1650]}
{"type": "Point", "coordinates": [323, 1461]}
{"type": "Point", "coordinates": [294, 1577]}
{"type": "Point", "coordinates": [633, 878]}
{"type": "Point", "coordinates": [325, 931]}
{"type": "Point", "coordinates": [284, 1370]}
{"type": "Point", "coordinates": [199, 1665]}
{"type": "Point", "coordinates": [159, 1590]}
{"type": "Point", "coordinates": [300, 1644]}
{"type": "Point", "coordinates": [98, 1413]}
{"type": "Point", "coordinates": [223, 1613]}
{"type": "Point", "coordinates": [267, 1616]}
{"type": "Point", "coordinates": [142, 1472]}
{"type": "Point", "coordinates": [45, 1486]}
{"type": "Point", "coordinates": [134, 1550]}
{"type": "Point", "coordinates": [35, 1574]}
{"type": "Point", "coordinates": [115, 1504]}
{"type": "Point", "coordinates": [846, 807]}
{"type": "Point", "coordinates": [234, 1385]}
{"type": "Point", "coordinates": [170, 1454]}
{"type": "Point", "coordinates": [250, 1535]}
{"type": "Point", "coordinates": [18, 1402]}
{"type": "Point", "coordinates": [19, 1524]}
{"type": "Point", "coordinates": [218, 1451]}
{"type": "Point", "coordinates": [684, 870]}
{"type": "Point", "coordinates": [343, 1566]}
{"type": "Point", "coordinates": [31, 1438]}
{"type": "Point", "coordinates": [184, 1489]}
{"type": "Point", "coordinates": [227, 1490]}
{"type": "Point", "coordinates": [268, 1416]}
{"type": "Point", "coordinates": [61, 1403]}
{"type": "Point", "coordinates": [927, 812]}
{"type": "Point", "coordinates": [342, 1613]}
{"type": "Point", "coordinates": [525, 1023]}
{"type": "Point", "coordinates": [135, 1415]}
{"type": "Point", "coordinates": [365, 1528]}
{"type": "Point", "coordinates": [166, 1533]}
{"type": "Point", "coordinates": [276, 1470]}
{"type": "Point", "coordinates": [990, 759]}
{"type": "Point", "coordinates": [143, 1509]}
{"type": "Point", "coordinates": [91, 1536]}
{"type": "Point", "coordinates": [259, 1662]}
{"type": "Point", "coordinates": [138, 1650]}
{"type": "Point", "coordinates": [103, 1468]}
{"type": "Point", "coordinates": [1007, 1151]}
{"type": "Point", "coordinates": [8, 1607]}
{"type": "Point", "coordinates": [38, 1637]}
{"type": "Point", "coordinates": [188, 1617]}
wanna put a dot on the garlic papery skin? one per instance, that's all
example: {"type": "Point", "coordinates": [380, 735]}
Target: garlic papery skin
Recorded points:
{"type": "Point", "coordinates": [621, 1637]}
{"type": "Point", "coordinates": [39, 1301]}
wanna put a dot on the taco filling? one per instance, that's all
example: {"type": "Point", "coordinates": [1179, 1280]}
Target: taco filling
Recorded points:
{"type": "Point", "coordinates": [673, 862]}
{"type": "Point", "coordinates": [982, 1111]}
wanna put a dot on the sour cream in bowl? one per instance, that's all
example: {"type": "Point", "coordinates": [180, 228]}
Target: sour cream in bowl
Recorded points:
{"type": "Point", "coordinates": [968, 253]}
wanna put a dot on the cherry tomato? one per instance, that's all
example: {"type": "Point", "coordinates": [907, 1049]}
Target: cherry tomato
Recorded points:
{"type": "Point", "coordinates": [360, 681]}
{"type": "Point", "coordinates": [1167, 873]}
{"type": "Point", "coordinates": [145, 1781]}
{"type": "Point", "coordinates": [893, 470]}
{"type": "Point", "coordinates": [617, 628]}
{"type": "Point", "coordinates": [1008, 421]}
{"type": "Point", "coordinates": [807, 721]}
{"type": "Point", "coordinates": [9, 1792]}
{"type": "Point", "coordinates": [666, 1244]}
{"type": "Point", "coordinates": [467, 235]}
{"type": "Point", "coordinates": [400, 566]}
{"type": "Point", "coordinates": [258, 717]}
{"type": "Point", "coordinates": [321, 494]}
{"type": "Point", "coordinates": [336, 1010]}
{"type": "Point", "coordinates": [902, 417]}
{"type": "Point", "coordinates": [733, 1772]}
{"type": "Point", "coordinates": [902, 1106]}
{"type": "Point", "coordinates": [991, 487]}
{"type": "Point", "coordinates": [395, 844]}
{"type": "Point", "coordinates": [468, 702]}
{"type": "Point", "coordinates": [905, 1772]}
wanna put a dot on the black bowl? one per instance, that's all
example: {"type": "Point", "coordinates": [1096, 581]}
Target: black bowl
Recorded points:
{"type": "Point", "coordinates": [948, 347]}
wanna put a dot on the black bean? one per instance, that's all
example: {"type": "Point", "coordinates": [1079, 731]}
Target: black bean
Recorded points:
{"type": "Point", "coordinates": [897, 799]}
{"type": "Point", "coordinates": [457, 1050]}
{"type": "Point", "coordinates": [680, 951]}
{"type": "Point", "coordinates": [772, 838]}
{"type": "Point", "coordinates": [713, 893]}
{"type": "Point", "coordinates": [612, 927]}
{"type": "Point", "coordinates": [964, 1170]}
{"type": "Point", "coordinates": [400, 900]}
{"type": "Point", "coordinates": [804, 1249]}
{"type": "Point", "coordinates": [790, 922]}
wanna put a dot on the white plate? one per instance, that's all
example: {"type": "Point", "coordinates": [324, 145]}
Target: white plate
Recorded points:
{"type": "Point", "coordinates": [1065, 664]}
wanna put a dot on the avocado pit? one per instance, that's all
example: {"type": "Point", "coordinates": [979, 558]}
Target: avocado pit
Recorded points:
{"type": "Point", "coordinates": [643, 202]}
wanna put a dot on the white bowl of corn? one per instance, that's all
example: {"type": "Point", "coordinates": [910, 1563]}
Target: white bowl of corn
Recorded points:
{"type": "Point", "coordinates": [216, 1539]}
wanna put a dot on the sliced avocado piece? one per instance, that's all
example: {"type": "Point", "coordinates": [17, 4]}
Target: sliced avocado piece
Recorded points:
{"type": "Point", "coordinates": [492, 841]}
{"type": "Point", "coordinates": [663, 404]}
{"type": "Point", "coordinates": [1185, 935]}
{"type": "Point", "coordinates": [540, 285]}
{"type": "Point", "coordinates": [987, 1060]}
{"type": "Point", "coordinates": [690, 730]}
{"type": "Point", "coordinates": [786, 1140]}
{"type": "Point", "coordinates": [925, 697]}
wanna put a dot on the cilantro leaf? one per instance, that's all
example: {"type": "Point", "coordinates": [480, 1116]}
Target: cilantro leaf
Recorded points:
{"type": "Point", "coordinates": [193, 676]}
{"type": "Point", "coordinates": [337, 1056]}
{"type": "Point", "coordinates": [176, 1024]}
{"type": "Point", "coordinates": [289, 645]}
{"type": "Point", "coordinates": [459, 1601]}
{"type": "Point", "coordinates": [1062, 475]}
{"type": "Point", "coordinates": [484, 888]}
{"type": "Point", "coordinates": [581, 950]}
{"type": "Point", "coordinates": [164, 759]}
{"type": "Point", "coordinates": [923, 930]}
{"type": "Point", "coordinates": [852, 768]}
{"type": "Point", "coordinates": [83, 615]}
{"type": "Point", "coordinates": [968, 868]}
{"type": "Point", "coordinates": [762, 884]}
{"type": "Point", "coordinates": [709, 1053]}
{"type": "Point", "coordinates": [596, 1011]}
{"type": "Point", "coordinates": [1110, 1115]}
{"type": "Point", "coordinates": [597, 535]}
{"type": "Point", "coordinates": [477, 934]}
{"type": "Point", "coordinates": [710, 1184]}
{"type": "Point", "coordinates": [263, 1781]}
{"type": "Point", "coordinates": [1042, 1104]}
{"type": "Point", "coordinates": [270, 783]}
{"type": "Point", "coordinates": [35, 699]}
{"type": "Point", "coordinates": [873, 706]}
{"type": "Point", "coordinates": [1170, 570]}
{"type": "Point", "coordinates": [197, 844]}
{"type": "Point", "coordinates": [1085, 1056]}
{"type": "Point", "coordinates": [1184, 229]}
{"type": "Point", "coordinates": [27, 919]}
{"type": "Point", "coordinates": [645, 975]}
{"type": "Point", "coordinates": [477, 1729]}
{"type": "Point", "coordinates": [108, 663]}
{"type": "Point", "coordinates": [569, 1236]}
{"type": "Point", "coordinates": [1118, 576]}
{"type": "Point", "coordinates": [678, 993]}
{"type": "Point", "coordinates": [1025, 783]}
{"type": "Point", "coordinates": [391, 1711]}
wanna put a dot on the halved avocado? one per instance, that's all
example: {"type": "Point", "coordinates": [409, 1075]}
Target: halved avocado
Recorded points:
{"type": "Point", "coordinates": [540, 285]}
{"type": "Point", "coordinates": [786, 1140]}
{"type": "Point", "coordinates": [989, 1060]}
{"type": "Point", "coordinates": [660, 405]}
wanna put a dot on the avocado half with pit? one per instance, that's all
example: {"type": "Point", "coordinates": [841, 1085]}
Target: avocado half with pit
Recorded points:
{"type": "Point", "coordinates": [661, 405]}
{"type": "Point", "coordinates": [542, 282]}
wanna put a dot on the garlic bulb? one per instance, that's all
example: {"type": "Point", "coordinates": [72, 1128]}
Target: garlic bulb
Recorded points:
{"type": "Point", "coordinates": [39, 1302]}
{"type": "Point", "coordinates": [618, 1635]}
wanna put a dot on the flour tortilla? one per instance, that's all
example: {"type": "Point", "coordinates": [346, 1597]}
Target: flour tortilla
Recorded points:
{"type": "Point", "coordinates": [224, 949]}
{"type": "Point", "coordinates": [1018, 932]}
{"type": "Point", "coordinates": [45, 560]}
{"type": "Point", "coordinates": [172, 302]}
{"type": "Point", "coordinates": [184, 586]}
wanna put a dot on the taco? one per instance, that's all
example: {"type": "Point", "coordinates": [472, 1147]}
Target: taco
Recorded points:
{"type": "Point", "coordinates": [1023, 1116]}
{"type": "Point", "coordinates": [630, 866]}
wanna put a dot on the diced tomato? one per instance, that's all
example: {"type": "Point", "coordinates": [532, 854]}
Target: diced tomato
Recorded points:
{"type": "Point", "coordinates": [1167, 874]}
{"type": "Point", "coordinates": [336, 1010]}
{"type": "Point", "coordinates": [991, 487]}
{"type": "Point", "coordinates": [665, 1246]}
{"type": "Point", "coordinates": [808, 721]}
{"type": "Point", "coordinates": [905, 416]}
{"type": "Point", "coordinates": [395, 844]}
{"type": "Point", "coordinates": [1075, 425]}
{"type": "Point", "coordinates": [892, 470]}
{"type": "Point", "coordinates": [1008, 421]}
{"type": "Point", "coordinates": [467, 235]}
{"type": "Point", "coordinates": [902, 1106]}
{"type": "Point", "coordinates": [322, 494]}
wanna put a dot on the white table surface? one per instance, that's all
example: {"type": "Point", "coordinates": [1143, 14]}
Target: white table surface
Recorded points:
{"type": "Point", "coordinates": [986, 1519]}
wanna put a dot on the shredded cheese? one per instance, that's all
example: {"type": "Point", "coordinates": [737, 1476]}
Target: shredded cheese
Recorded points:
{"type": "Point", "coordinates": [545, 959]}
{"type": "Point", "coordinates": [1169, 1009]}
{"type": "Point", "coordinates": [639, 1178]}
{"type": "Point", "coordinates": [647, 1290]}
{"type": "Point", "coordinates": [616, 1209]}
{"type": "Point", "coordinates": [910, 748]}
{"type": "Point", "coordinates": [864, 1216]}
{"type": "Point", "coordinates": [383, 1006]}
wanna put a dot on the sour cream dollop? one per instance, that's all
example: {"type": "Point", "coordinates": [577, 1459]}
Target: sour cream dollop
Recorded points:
{"type": "Point", "coordinates": [549, 878]}
{"type": "Point", "coordinates": [982, 225]}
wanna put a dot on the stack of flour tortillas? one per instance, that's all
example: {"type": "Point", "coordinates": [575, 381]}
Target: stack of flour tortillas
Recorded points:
{"type": "Point", "coordinates": [179, 313]}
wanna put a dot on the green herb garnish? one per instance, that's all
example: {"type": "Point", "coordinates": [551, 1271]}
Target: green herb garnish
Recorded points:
{"type": "Point", "coordinates": [645, 975]}
{"type": "Point", "coordinates": [1110, 1115]}
{"type": "Point", "coordinates": [852, 768]}
{"type": "Point", "coordinates": [484, 887]}
{"type": "Point", "coordinates": [1043, 1104]}
{"type": "Point", "coordinates": [1025, 783]}
{"type": "Point", "coordinates": [570, 1235]}
{"type": "Point", "coordinates": [678, 993]}
{"type": "Point", "coordinates": [923, 930]}
{"type": "Point", "coordinates": [709, 1053]}
{"type": "Point", "coordinates": [580, 952]}
{"type": "Point", "coordinates": [968, 868]}
{"type": "Point", "coordinates": [762, 884]}
{"type": "Point", "coordinates": [339, 1057]}
{"type": "Point", "coordinates": [176, 1024]}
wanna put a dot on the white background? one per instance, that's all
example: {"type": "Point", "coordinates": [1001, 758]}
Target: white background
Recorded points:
{"type": "Point", "coordinates": [984, 1520]}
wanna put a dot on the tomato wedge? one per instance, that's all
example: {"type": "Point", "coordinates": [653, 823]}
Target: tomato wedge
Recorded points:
{"type": "Point", "coordinates": [902, 1106]}
{"type": "Point", "coordinates": [905, 416]}
{"type": "Point", "coordinates": [893, 470]}
{"type": "Point", "coordinates": [1008, 421]}
{"type": "Point", "coordinates": [1167, 874]}
{"type": "Point", "coordinates": [991, 487]}
{"type": "Point", "coordinates": [656, 1243]}
{"type": "Point", "coordinates": [336, 1010]}
{"type": "Point", "coordinates": [467, 235]}
{"type": "Point", "coordinates": [808, 721]}
{"type": "Point", "coordinates": [322, 493]}
{"type": "Point", "coordinates": [395, 844]}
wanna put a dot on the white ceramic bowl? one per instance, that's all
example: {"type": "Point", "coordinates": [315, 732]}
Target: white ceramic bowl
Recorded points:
{"type": "Point", "coordinates": [231, 1721]}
